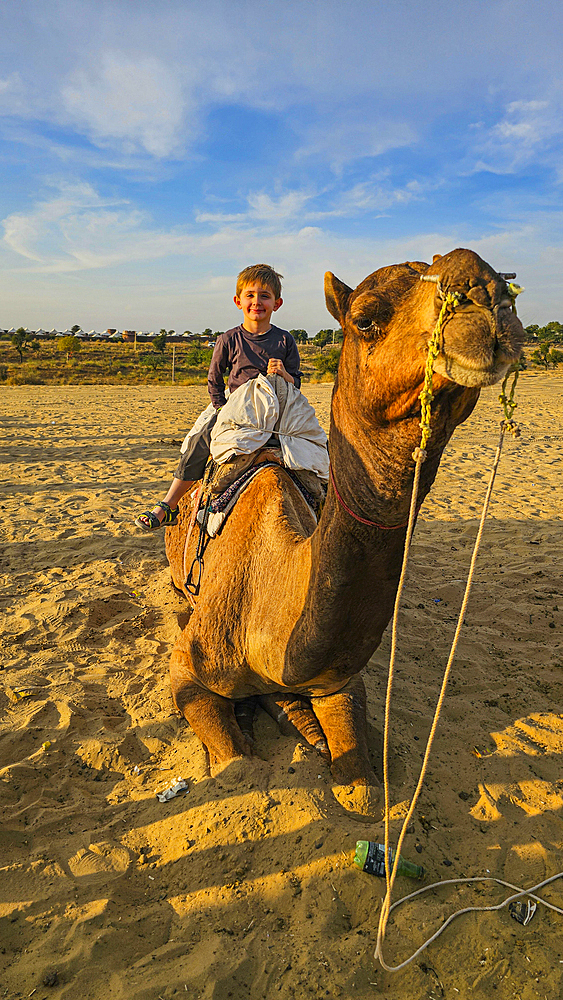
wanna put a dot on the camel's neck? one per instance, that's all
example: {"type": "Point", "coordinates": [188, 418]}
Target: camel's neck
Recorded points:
{"type": "Point", "coordinates": [355, 568]}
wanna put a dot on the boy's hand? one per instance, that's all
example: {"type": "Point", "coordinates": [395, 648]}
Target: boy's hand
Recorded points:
{"type": "Point", "coordinates": [276, 367]}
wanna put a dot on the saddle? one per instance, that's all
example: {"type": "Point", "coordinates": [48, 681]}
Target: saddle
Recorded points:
{"type": "Point", "coordinates": [217, 494]}
{"type": "Point", "coordinates": [228, 481]}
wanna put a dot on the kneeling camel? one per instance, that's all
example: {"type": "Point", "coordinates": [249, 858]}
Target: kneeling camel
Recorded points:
{"type": "Point", "coordinates": [290, 611]}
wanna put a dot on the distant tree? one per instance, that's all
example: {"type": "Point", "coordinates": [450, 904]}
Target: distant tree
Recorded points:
{"type": "Point", "coordinates": [24, 341]}
{"type": "Point", "coordinates": [75, 328]}
{"type": "Point", "coordinates": [532, 332]}
{"type": "Point", "coordinates": [552, 331]}
{"type": "Point", "coordinates": [322, 338]}
{"type": "Point", "coordinates": [198, 356]}
{"type": "Point", "coordinates": [300, 336]}
{"type": "Point", "coordinates": [207, 332]}
{"type": "Point", "coordinates": [151, 360]}
{"type": "Point", "coordinates": [327, 364]}
{"type": "Point", "coordinates": [188, 333]}
{"type": "Point", "coordinates": [71, 345]}
{"type": "Point", "coordinates": [338, 336]}
{"type": "Point", "coordinates": [159, 343]}
{"type": "Point", "coordinates": [546, 355]}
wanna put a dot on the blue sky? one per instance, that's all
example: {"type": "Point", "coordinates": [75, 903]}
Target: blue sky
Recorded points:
{"type": "Point", "coordinates": [149, 151]}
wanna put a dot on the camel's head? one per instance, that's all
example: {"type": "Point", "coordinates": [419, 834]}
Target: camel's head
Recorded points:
{"type": "Point", "coordinates": [482, 336]}
{"type": "Point", "coordinates": [391, 316]}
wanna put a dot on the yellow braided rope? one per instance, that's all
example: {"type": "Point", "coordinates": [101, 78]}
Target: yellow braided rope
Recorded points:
{"type": "Point", "coordinates": [419, 455]}
{"type": "Point", "coordinates": [426, 396]}
{"type": "Point", "coordinates": [451, 300]}
{"type": "Point", "coordinates": [509, 404]}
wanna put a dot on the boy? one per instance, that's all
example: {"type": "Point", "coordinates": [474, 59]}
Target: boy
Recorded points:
{"type": "Point", "coordinates": [255, 347]}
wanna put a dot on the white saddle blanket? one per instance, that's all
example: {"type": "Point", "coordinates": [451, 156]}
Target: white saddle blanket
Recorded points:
{"type": "Point", "coordinates": [252, 414]}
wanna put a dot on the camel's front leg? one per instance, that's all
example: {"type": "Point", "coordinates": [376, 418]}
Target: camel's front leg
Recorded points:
{"type": "Point", "coordinates": [211, 716]}
{"type": "Point", "coordinates": [343, 720]}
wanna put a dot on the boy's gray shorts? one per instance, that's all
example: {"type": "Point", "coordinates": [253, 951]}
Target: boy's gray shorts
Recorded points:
{"type": "Point", "coordinates": [196, 447]}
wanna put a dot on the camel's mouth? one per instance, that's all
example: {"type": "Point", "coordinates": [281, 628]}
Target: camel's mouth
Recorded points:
{"type": "Point", "coordinates": [478, 351]}
{"type": "Point", "coordinates": [470, 375]}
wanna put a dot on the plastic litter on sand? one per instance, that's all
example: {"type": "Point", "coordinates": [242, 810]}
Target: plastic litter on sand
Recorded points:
{"type": "Point", "coordinates": [181, 785]}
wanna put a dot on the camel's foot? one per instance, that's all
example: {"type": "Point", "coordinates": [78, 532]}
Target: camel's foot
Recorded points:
{"type": "Point", "coordinates": [365, 801]}
{"type": "Point", "coordinates": [244, 714]}
{"type": "Point", "coordinates": [296, 718]}
{"type": "Point", "coordinates": [343, 719]}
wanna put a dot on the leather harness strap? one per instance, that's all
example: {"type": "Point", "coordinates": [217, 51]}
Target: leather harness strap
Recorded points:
{"type": "Point", "coordinates": [195, 509]}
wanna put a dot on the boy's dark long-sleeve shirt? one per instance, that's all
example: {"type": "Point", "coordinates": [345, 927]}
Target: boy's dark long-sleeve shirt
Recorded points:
{"type": "Point", "coordinates": [245, 355]}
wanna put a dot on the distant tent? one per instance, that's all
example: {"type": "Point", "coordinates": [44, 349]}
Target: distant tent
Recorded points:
{"type": "Point", "coordinates": [54, 333]}
{"type": "Point", "coordinates": [115, 336]}
{"type": "Point", "coordinates": [41, 333]}
{"type": "Point", "coordinates": [13, 330]}
{"type": "Point", "coordinates": [81, 335]}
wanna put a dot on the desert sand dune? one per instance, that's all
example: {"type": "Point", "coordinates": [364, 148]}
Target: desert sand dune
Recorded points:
{"type": "Point", "coordinates": [245, 889]}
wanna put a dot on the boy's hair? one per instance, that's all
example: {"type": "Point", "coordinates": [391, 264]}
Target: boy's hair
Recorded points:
{"type": "Point", "coordinates": [262, 273]}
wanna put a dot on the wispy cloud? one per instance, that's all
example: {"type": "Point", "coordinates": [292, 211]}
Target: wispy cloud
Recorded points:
{"type": "Point", "coordinates": [347, 139]}
{"type": "Point", "coordinates": [137, 102]}
{"type": "Point", "coordinates": [370, 197]}
{"type": "Point", "coordinates": [527, 131]}
{"type": "Point", "coordinates": [77, 229]}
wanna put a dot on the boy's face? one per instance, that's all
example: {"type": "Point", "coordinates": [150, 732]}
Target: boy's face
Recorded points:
{"type": "Point", "coordinates": [257, 303]}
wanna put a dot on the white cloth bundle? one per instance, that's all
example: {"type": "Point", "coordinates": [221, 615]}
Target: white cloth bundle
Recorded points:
{"type": "Point", "coordinates": [251, 414]}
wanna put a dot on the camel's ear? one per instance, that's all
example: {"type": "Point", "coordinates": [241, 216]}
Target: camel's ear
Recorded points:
{"type": "Point", "coordinates": [437, 256]}
{"type": "Point", "coordinates": [337, 296]}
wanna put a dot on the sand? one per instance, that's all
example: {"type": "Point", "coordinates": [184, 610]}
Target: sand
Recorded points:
{"type": "Point", "coordinates": [242, 888]}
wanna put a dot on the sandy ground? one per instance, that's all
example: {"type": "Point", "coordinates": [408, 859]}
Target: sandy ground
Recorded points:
{"type": "Point", "coordinates": [247, 891]}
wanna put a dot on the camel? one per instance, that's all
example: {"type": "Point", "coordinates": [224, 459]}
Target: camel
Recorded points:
{"type": "Point", "coordinates": [290, 611]}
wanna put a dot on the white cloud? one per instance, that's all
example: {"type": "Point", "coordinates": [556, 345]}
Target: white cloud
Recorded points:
{"type": "Point", "coordinates": [525, 134]}
{"type": "Point", "coordinates": [128, 272]}
{"type": "Point", "coordinates": [345, 140]}
{"type": "Point", "coordinates": [137, 102]}
{"type": "Point", "coordinates": [79, 230]}
{"type": "Point", "coordinates": [12, 95]}
{"type": "Point", "coordinates": [286, 206]}
{"type": "Point", "coordinates": [372, 196]}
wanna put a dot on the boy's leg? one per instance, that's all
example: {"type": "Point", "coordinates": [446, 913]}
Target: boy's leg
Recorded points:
{"type": "Point", "coordinates": [190, 467]}
{"type": "Point", "coordinates": [178, 488]}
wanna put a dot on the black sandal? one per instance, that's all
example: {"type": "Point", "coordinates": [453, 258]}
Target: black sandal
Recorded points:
{"type": "Point", "coordinates": [148, 520]}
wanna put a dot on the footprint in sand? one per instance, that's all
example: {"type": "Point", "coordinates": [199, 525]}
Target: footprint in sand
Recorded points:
{"type": "Point", "coordinates": [526, 864]}
{"type": "Point", "coordinates": [100, 862]}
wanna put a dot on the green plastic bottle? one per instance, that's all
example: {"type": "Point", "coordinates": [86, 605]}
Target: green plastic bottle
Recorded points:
{"type": "Point", "coordinates": [370, 857]}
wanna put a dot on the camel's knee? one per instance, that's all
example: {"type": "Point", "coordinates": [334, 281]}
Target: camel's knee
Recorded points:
{"type": "Point", "coordinates": [211, 716]}
{"type": "Point", "coordinates": [182, 679]}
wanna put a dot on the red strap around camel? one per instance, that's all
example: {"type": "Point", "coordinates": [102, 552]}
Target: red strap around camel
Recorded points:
{"type": "Point", "coordinates": [364, 520]}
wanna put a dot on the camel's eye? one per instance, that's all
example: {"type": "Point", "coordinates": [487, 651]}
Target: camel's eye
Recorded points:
{"type": "Point", "coordinates": [364, 323]}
